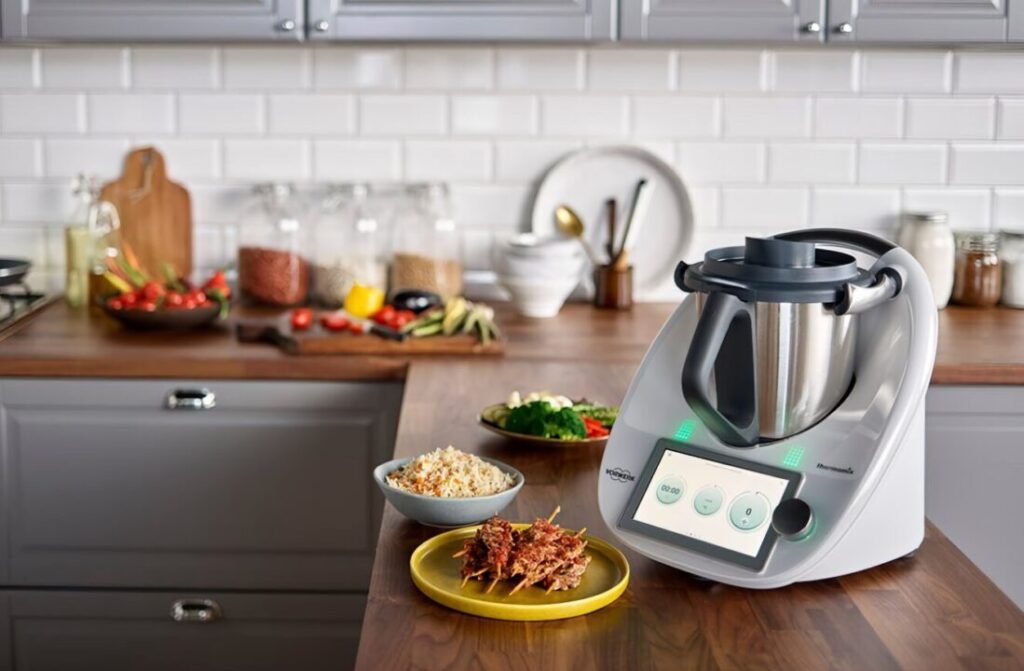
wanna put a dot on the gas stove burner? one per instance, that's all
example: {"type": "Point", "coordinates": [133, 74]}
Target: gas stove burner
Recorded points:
{"type": "Point", "coordinates": [18, 301]}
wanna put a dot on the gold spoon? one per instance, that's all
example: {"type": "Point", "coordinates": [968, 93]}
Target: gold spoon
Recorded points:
{"type": "Point", "coordinates": [571, 225]}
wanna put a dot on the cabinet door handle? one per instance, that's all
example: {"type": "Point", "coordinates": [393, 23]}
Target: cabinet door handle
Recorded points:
{"type": "Point", "coordinates": [285, 26]}
{"type": "Point", "coordinates": [196, 610]}
{"type": "Point", "coordinates": [190, 399]}
{"type": "Point", "coordinates": [844, 28]}
{"type": "Point", "coordinates": [812, 27]}
{"type": "Point", "coordinates": [322, 26]}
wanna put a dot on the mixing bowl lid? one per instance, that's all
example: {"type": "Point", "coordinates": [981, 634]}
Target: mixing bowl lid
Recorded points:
{"type": "Point", "coordinates": [775, 271]}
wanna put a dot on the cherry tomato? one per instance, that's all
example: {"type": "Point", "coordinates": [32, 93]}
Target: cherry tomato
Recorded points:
{"type": "Point", "coordinates": [216, 280]}
{"type": "Point", "coordinates": [173, 300]}
{"type": "Point", "coordinates": [198, 296]}
{"type": "Point", "coordinates": [188, 303]}
{"type": "Point", "coordinates": [115, 304]}
{"type": "Point", "coordinates": [355, 327]}
{"type": "Point", "coordinates": [153, 290]}
{"type": "Point", "coordinates": [332, 321]}
{"type": "Point", "coordinates": [129, 298]}
{"type": "Point", "coordinates": [146, 306]}
{"type": "Point", "coordinates": [301, 318]}
{"type": "Point", "coordinates": [402, 317]}
{"type": "Point", "coordinates": [385, 315]}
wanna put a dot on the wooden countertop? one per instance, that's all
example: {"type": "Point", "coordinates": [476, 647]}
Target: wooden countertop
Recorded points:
{"type": "Point", "coordinates": [935, 610]}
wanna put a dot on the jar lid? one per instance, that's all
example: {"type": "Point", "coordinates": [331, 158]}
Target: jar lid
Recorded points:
{"type": "Point", "coordinates": [775, 271]}
{"type": "Point", "coordinates": [978, 241]}
{"type": "Point", "coordinates": [926, 217]}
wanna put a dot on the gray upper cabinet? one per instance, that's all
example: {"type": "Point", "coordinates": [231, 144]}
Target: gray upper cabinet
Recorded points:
{"type": "Point", "coordinates": [520, 20]}
{"type": "Point", "coordinates": [925, 21]}
{"type": "Point", "coordinates": [177, 20]}
{"type": "Point", "coordinates": [722, 20]}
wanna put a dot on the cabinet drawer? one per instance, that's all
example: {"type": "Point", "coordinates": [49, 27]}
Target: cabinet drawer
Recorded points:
{"type": "Point", "coordinates": [268, 489]}
{"type": "Point", "coordinates": [104, 631]}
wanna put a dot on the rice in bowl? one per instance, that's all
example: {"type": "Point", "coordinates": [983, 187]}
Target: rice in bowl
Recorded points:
{"type": "Point", "coordinates": [450, 473]}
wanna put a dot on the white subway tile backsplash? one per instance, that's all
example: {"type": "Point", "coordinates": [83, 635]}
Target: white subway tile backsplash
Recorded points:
{"type": "Point", "coordinates": [17, 68]}
{"type": "Point", "coordinates": [855, 207]}
{"type": "Point", "coordinates": [721, 162]}
{"type": "Point", "coordinates": [187, 158]}
{"type": "Point", "coordinates": [663, 149]}
{"type": "Point", "coordinates": [302, 114]}
{"type": "Point", "coordinates": [763, 207]}
{"type": "Point", "coordinates": [951, 118]}
{"type": "Point", "coordinates": [450, 69]}
{"type": "Point", "coordinates": [967, 208]}
{"type": "Point", "coordinates": [27, 243]}
{"type": "Point", "coordinates": [477, 248]}
{"type": "Point", "coordinates": [987, 72]}
{"type": "Point", "coordinates": [366, 68]}
{"type": "Point", "coordinates": [1008, 213]}
{"type": "Point", "coordinates": [705, 203]}
{"type": "Point", "coordinates": [500, 115]}
{"type": "Point", "coordinates": [531, 69]}
{"type": "Point", "coordinates": [220, 204]}
{"type": "Point", "coordinates": [869, 118]}
{"type": "Point", "coordinates": [815, 71]}
{"type": "Point", "coordinates": [131, 113]}
{"type": "Point", "coordinates": [674, 116]}
{"type": "Point", "coordinates": [36, 202]}
{"type": "Point", "coordinates": [20, 157]}
{"type": "Point", "coordinates": [448, 160]}
{"type": "Point", "coordinates": [220, 114]}
{"type": "Point", "coordinates": [726, 70]}
{"type": "Point", "coordinates": [208, 245]}
{"type": "Point", "coordinates": [84, 68]}
{"type": "Point", "coordinates": [403, 115]}
{"type": "Point", "coordinates": [357, 160]}
{"type": "Point", "coordinates": [527, 160]}
{"type": "Point", "coordinates": [501, 206]}
{"type": "Point", "coordinates": [171, 68]}
{"type": "Point", "coordinates": [68, 157]}
{"type": "Point", "coordinates": [910, 71]}
{"type": "Point", "coordinates": [892, 163]}
{"type": "Point", "coordinates": [1011, 119]}
{"type": "Point", "coordinates": [263, 68]}
{"type": "Point", "coordinates": [267, 159]}
{"type": "Point", "coordinates": [582, 116]}
{"type": "Point", "coordinates": [630, 70]}
{"type": "Point", "coordinates": [988, 164]}
{"type": "Point", "coordinates": [766, 117]}
{"type": "Point", "coordinates": [42, 113]}
{"type": "Point", "coordinates": [819, 163]}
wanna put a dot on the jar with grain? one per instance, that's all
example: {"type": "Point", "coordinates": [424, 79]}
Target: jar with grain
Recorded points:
{"type": "Point", "coordinates": [349, 249]}
{"type": "Point", "coordinates": [928, 237]}
{"type": "Point", "coordinates": [1011, 252]}
{"type": "Point", "coordinates": [978, 278]}
{"type": "Point", "coordinates": [425, 252]}
{"type": "Point", "coordinates": [273, 249]}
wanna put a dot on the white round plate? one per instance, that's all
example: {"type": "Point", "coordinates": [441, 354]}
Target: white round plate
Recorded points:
{"type": "Point", "coordinates": [586, 178]}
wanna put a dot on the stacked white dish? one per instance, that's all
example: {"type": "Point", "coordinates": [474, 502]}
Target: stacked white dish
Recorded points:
{"type": "Point", "coordinates": [539, 272]}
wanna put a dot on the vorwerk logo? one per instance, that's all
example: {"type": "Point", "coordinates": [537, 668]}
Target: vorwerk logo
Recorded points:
{"type": "Point", "coordinates": [825, 467]}
{"type": "Point", "coordinates": [620, 474]}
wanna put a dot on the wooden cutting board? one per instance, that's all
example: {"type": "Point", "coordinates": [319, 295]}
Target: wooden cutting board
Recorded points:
{"type": "Point", "coordinates": [155, 213]}
{"type": "Point", "coordinates": [318, 341]}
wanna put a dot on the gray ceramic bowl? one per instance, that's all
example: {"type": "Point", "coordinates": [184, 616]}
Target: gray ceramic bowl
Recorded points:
{"type": "Point", "coordinates": [438, 511]}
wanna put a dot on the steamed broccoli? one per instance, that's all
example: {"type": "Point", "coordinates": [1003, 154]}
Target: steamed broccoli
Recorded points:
{"type": "Point", "coordinates": [540, 419]}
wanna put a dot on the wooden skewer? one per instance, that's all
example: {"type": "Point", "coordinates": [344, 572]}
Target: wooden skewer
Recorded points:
{"type": "Point", "coordinates": [581, 532]}
{"type": "Point", "coordinates": [554, 513]}
{"type": "Point", "coordinates": [548, 590]}
{"type": "Point", "coordinates": [519, 586]}
{"type": "Point", "coordinates": [491, 586]}
{"type": "Point", "coordinates": [460, 553]}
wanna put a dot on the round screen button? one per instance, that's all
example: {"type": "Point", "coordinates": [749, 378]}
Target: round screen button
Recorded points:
{"type": "Point", "coordinates": [708, 500]}
{"type": "Point", "coordinates": [748, 511]}
{"type": "Point", "coordinates": [670, 489]}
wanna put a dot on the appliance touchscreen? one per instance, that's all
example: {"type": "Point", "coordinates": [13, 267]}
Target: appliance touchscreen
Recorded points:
{"type": "Point", "coordinates": [712, 502]}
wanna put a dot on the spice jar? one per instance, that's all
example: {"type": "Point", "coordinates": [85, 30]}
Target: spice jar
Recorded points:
{"type": "Point", "coordinates": [1011, 252]}
{"type": "Point", "coordinates": [928, 237]}
{"type": "Point", "coordinates": [978, 279]}
{"type": "Point", "coordinates": [348, 246]}
{"type": "Point", "coordinates": [425, 251]}
{"type": "Point", "coordinates": [273, 266]}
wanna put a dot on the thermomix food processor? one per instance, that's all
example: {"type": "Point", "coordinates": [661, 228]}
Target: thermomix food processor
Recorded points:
{"type": "Point", "coordinates": [774, 432]}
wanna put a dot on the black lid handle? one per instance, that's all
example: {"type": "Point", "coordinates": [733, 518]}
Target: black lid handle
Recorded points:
{"type": "Point", "coordinates": [841, 237]}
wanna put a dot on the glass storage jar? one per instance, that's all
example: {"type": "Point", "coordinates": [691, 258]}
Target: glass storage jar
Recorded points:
{"type": "Point", "coordinates": [273, 265]}
{"type": "Point", "coordinates": [978, 278]}
{"type": "Point", "coordinates": [1011, 252]}
{"type": "Point", "coordinates": [349, 248]}
{"type": "Point", "coordinates": [425, 248]}
{"type": "Point", "coordinates": [929, 238]}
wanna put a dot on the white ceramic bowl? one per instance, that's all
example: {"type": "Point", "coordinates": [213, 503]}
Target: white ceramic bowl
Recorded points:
{"type": "Point", "coordinates": [538, 297]}
{"type": "Point", "coordinates": [437, 511]}
{"type": "Point", "coordinates": [529, 244]}
{"type": "Point", "coordinates": [527, 267]}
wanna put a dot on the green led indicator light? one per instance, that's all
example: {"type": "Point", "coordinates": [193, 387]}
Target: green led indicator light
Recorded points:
{"type": "Point", "coordinates": [793, 457]}
{"type": "Point", "coordinates": [685, 430]}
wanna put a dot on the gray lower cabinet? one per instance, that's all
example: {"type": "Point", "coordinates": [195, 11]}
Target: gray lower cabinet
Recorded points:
{"type": "Point", "coordinates": [927, 21]}
{"type": "Point", "coordinates": [270, 489]}
{"type": "Point", "coordinates": [975, 462]}
{"type": "Point", "coordinates": [118, 631]}
{"type": "Point", "coordinates": [520, 20]}
{"type": "Point", "coordinates": [715, 20]}
{"type": "Point", "coordinates": [84, 20]}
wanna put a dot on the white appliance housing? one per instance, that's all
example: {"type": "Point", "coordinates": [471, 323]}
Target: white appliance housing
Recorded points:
{"type": "Point", "coordinates": [861, 469]}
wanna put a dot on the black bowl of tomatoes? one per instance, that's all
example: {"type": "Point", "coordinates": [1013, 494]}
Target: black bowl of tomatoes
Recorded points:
{"type": "Point", "coordinates": [174, 305]}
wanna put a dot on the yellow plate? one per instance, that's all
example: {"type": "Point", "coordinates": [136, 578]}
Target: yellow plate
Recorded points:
{"type": "Point", "coordinates": [436, 574]}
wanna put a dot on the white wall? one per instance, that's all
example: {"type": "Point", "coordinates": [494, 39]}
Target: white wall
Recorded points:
{"type": "Point", "coordinates": [766, 139]}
